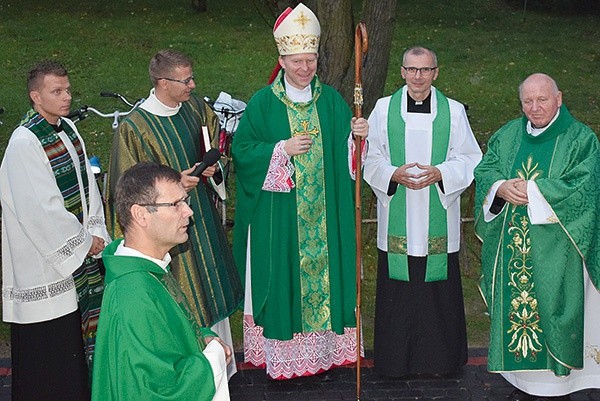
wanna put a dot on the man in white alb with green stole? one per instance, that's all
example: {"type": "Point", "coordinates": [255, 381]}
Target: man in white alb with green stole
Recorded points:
{"type": "Point", "coordinates": [169, 128]}
{"type": "Point", "coordinates": [294, 223]}
{"type": "Point", "coordinates": [421, 157]}
{"type": "Point", "coordinates": [538, 208]}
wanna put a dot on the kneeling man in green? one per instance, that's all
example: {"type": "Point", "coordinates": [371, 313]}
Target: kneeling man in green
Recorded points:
{"type": "Point", "coordinates": [538, 200]}
{"type": "Point", "coordinates": [149, 345]}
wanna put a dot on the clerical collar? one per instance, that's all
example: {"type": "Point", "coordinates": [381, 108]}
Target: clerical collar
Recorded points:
{"type": "Point", "coordinates": [414, 106]}
{"type": "Point", "coordinates": [123, 250]}
{"type": "Point", "coordinates": [57, 127]}
{"type": "Point", "coordinates": [297, 95]}
{"type": "Point", "coordinates": [535, 131]}
{"type": "Point", "coordinates": [155, 106]}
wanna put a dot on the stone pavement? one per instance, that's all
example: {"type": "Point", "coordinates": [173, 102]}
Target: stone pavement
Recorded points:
{"type": "Point", "coordinates": [473, 382]}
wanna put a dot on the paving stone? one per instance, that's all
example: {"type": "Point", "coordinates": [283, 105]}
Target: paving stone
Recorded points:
{"type": "Point", "coordinates": [471, 383]}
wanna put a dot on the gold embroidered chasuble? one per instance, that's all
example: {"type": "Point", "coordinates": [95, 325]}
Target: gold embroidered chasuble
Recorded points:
{"type": "Point", "coordinates": [532, 274]}
{"type": "Point", "coordinates": [302, 251]}
{"type": "Point", "coordinates": [312, 222]}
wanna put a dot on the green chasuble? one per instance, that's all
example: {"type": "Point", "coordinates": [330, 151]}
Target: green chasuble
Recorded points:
{"type": "Point", "coordinates": [204, 265]}
{"type": "Point", "coordinates": [532, 277]}
{"type": "Point", "coordinates": [302, 242]}
{"type": "Point", "coordinates": [149, 346]}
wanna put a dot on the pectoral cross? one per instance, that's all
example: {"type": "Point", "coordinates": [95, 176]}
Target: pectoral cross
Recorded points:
{"type": "Point", "coordinates": [305, 130]}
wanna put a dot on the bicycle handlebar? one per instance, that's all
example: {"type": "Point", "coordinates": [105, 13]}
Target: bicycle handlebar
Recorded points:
{"type": "Point", "coordinates": [80, 113]}
{"type": "Point", "coordinates": [117, 95]}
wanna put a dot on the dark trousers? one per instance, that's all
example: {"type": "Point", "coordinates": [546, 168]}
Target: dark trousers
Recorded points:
{"type": "Point", "coordinates": [48, 361]}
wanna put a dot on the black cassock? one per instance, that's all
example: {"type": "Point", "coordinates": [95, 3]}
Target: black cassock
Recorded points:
{"type": "Point", "coordinates": [419, 327]}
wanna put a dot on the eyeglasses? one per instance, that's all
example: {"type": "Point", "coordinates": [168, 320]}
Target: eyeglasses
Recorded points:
{"type": "Point", "coordinates": [425, 71]}
{"type": "Point", "coordinates": [181, 81]}
{"type": "Point", "coordinates": [178, 204]}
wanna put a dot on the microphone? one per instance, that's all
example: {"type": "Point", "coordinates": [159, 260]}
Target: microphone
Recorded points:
{"type": "Point", "coordinates": [211, 157]}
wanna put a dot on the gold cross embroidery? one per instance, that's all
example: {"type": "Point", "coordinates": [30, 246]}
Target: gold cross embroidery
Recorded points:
{"type": "Point", "coordinates": [305, 130]}
{"type": "Point", "coordinates": [302, 19]}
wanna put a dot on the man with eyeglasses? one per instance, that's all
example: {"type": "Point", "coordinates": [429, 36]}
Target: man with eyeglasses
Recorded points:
{"type": "Point", "coordinates": [537, 212]}
{"type": "Point", "coordinates": [150, 345]}
{"type": "Point", "coordinates": [174, 126]}
{"type": "Point", "coordinates": [421, 157]}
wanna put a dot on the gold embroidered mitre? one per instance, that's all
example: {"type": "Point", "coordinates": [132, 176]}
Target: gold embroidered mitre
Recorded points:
{"type": "Point", "coordinates": [297, 31]}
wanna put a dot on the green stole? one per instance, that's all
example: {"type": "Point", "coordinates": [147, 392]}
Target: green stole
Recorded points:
{"type": "Point", "coordinates": [172, 287]}
{"type": "Point", "coordinates": [437, 259]}
{"type": "Point", "coordinates": [310, 199]}
{"type": "Point", "coordinates": [62, 165]}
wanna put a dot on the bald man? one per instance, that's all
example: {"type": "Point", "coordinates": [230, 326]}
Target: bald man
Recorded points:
{"type": "Point", "coordinates": [538, 209]}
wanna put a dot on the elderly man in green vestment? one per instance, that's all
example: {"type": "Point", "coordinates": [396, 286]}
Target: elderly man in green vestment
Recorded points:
{"type": "Point", "coordinates": [538, 215]}
{"type": "Point", "coordinates": [294, 223]}
{"type": "Point", "coordinates": [150, 346]}
{"type": "Point", "coordinates": [174, 126]}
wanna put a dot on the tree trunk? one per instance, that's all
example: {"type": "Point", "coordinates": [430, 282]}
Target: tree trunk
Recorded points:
{"type": "Point", "coordinates": [337, 44]}
{"type": "Point", "coordinates": [200, 5]}
{"type": "Point", "coordinates": [379, 16]}
{"type": "Point", "coordinates": [278, 6]}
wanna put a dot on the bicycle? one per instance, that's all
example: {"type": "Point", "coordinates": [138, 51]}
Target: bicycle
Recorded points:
{"type": "Point", "coordinates": [230, 112]}
{"type": "Point", "coordinates": [84, 111]}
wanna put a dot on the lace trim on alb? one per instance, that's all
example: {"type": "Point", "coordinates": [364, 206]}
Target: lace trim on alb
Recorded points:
{"type": "Point", "coordinates": [281, 170]}
{"type": "Point", "coordinates": [66, 251]}
{"type": "Point", "coordinates": [38, 293]}
{"type": "Point", "coordinates": [95, 221]}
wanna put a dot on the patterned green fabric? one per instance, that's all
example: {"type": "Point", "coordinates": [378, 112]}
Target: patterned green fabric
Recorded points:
{"type": "Point", "coordinates": [532, 276]}
{"type": "Point", "coordinates": [62, 165]}
{"type": "Point", "coordinates": [296, 271]}
{"type": "Point", "coordinates": [312, 222]}
{"type": "Point", "coordinates": [437, 259]}
{"type": "Point", "coordinates": [89, 285]}
{"type": "Point", "coordinates": [204, 265]}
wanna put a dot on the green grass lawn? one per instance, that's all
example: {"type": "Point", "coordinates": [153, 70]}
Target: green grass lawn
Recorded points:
{"type": "Point", "coordinates": [485, 49]}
